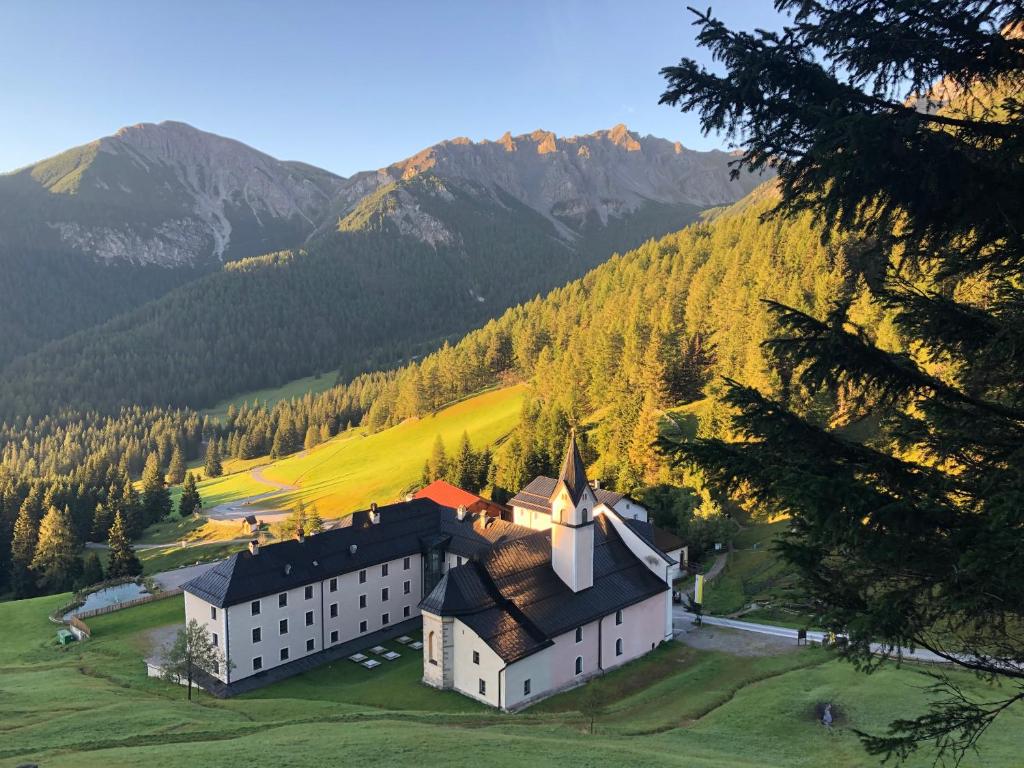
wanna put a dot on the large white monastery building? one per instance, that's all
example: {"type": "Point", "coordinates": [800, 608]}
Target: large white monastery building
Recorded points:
{"type": "Point", "coordinates": [510, 612]}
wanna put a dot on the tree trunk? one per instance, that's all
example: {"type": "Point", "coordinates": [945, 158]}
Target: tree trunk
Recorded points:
{"type": "Point", "coordinates": [190, 684]}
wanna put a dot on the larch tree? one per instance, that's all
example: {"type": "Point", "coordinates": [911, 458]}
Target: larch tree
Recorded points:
{"type": "Point", "coordinates": [176, 468]}
{"type": "Point", "coordinates": [898, 124]}
{"type": "Point", "coordinates": [55, 563]}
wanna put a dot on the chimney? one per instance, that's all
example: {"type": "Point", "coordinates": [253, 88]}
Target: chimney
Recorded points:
{"type": "Point", "coordinates": [300, 535]}
{"type": "Point", "coordinates": [287, 569]}
{"type": "Point", "coordinates": [461, 512]}
{"type": "Point", "coordinates": [352, 548]}
{"type": "Point", "coordinates": [254, 547]}
{"type": "Point", "coordinates": [596, 485]}
{"type": "Point", "coordinates": [374, 514]}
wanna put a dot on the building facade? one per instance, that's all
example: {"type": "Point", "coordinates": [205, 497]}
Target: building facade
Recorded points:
{"type": "Point", "coordinates": [509, 613]}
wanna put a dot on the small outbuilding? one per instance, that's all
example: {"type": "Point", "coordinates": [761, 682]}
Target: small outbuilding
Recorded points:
{"type": "Point", "coordinates": [64, 636]}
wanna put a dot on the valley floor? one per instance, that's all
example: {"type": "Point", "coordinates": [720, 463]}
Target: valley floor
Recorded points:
{"type": "Point", "coordinates": [91, 704]}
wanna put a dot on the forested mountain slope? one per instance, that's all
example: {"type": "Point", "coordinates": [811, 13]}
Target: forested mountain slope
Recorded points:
{"type": "Point", "coordinates": [400, 258]}
{"type": "Point", "coordinates": [107, 226]}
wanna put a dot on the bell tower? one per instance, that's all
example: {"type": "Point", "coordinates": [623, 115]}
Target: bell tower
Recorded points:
{"type": "Point", "coordinates": [572, 522]}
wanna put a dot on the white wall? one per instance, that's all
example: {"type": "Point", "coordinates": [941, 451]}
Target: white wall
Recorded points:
{"type": "Point", "coordinates": [531, 518]}
{"type": "Point", "coordinates": [240, 621]}
{"type": "Point", "coordinates": [198, 609]}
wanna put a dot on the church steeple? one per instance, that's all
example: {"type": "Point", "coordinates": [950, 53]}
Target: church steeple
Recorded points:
{"type": "Point", "coordinates": [572, 522]}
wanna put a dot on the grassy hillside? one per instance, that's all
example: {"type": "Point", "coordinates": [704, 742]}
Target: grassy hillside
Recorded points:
{"type": "Point", "coordinates": [91, 704]}
{"type": "Point", "coordinates": [270, 397]}
{"type": "Point", "coordinates": [354, 468]}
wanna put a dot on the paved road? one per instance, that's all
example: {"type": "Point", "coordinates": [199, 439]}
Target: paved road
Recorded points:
{"type": "Point", "coordinates": [173, 579]}
{"type": "Point", "coordinates": [682, 617]}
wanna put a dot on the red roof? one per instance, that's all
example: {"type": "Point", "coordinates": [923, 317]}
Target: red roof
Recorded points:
{"type": "Point", "coordinates": [446, 494]}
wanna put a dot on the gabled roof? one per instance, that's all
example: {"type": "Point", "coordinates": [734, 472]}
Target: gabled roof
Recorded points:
{"type": "Point", "coordinates": [537, 495]}
{"type": "Point", "coordinates": [573, 473]}
{"type": "Point", "coordinates": [404, 529]}
{"type": "Point", "coordinates": [663, 540]}
{"type": "Point", "coordinates": [446, 494]}
{"type": "Point", "coordinates": [513, 599]}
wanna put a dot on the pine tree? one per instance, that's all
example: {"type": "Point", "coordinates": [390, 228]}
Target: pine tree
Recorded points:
{"type": "Point", "coordinates": [176, 469]}
{"type": "Point", "coordinates": [314, 523]}
{"type": "Point", "coordinates": [92, 571]}
{"type": "Point", "coordinates": [190, 501]}
{"type": "Point", "coordinates": [156, 500]}
{"type": "Point", "coordinates": [130, 508]}
{"type": "Point", "coordinates": [912, 152]}
{"type": "Point", "coordinates": [55, 563]}
{"type": "Point", "coordinates": [213, 467]}
{"type": "Point", "coordinates": [312, 438]}
{"type": "Point", "coordinates": [123, 561]}
{"type": "Point", "coordinates": [437, 464]}
{"type": "Point", "coordinates": [23, 549]}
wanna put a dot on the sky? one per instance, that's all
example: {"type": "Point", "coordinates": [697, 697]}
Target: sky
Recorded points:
{"type": "Point", "coordinates": [345, 86]}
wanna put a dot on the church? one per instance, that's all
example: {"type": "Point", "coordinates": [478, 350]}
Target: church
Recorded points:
{"type": "Point", "coordinates": [510, 613]}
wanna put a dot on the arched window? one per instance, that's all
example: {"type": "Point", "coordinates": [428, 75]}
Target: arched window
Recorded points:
{"type": "Point", "coordinates": [579, 665]}
{"type": "Point", "coordinates": [430, 648]}
{"type": "Point", "coordinates": [618, 647]}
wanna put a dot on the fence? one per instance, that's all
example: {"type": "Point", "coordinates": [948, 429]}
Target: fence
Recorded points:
{"type": "Point", "coordinates": [129, 603]}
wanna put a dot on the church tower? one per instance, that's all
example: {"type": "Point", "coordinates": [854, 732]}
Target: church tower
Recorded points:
{"type": "Point", "coordinates": [572, 522]}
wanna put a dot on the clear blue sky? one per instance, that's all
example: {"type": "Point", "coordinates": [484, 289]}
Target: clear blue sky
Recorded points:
{"type": "Point", "coordinates": [343, 85]}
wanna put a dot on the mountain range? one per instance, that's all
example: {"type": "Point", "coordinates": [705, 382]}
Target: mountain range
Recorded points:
{"type": "Point", "coordinates": [125, 242]}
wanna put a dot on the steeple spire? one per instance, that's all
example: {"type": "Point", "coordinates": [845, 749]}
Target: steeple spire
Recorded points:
{"type": "Point", "coordinates": [574, 473]}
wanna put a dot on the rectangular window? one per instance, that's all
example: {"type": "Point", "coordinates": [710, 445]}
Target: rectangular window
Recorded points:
{"type": "Point", "coordinates": [384, 594]}
{"type": "Point", "coordinates": [310, 645]}
{"type": "Point", "coordinates": [257, 634]}
{"type": "Point", "coordinates": [282, 626]}
{"type": "Point", "coordinates": [384, 569]}
{"type": "Point", "coordinates": [216, 666]}
{"type": "Point", "coordinates": [254, 607]}
{"type": "Point", "coordinates": [309, 592]}
{"type": "Point", "coordinates": [284, 654]}
{"type": "Point", "coordinates": [618, 617]}
{"type": "Point", "coordinates": [385, 619]}
{"type": "Point", "coordinates": [362, 626]}
{"type": "Point", "coordinates": [526, 687]}
{"type": "Point", "coordinates": [579, 634]}
{"type": "Point", "coordinates": [362, 601]}
{"type": "Point", "coordinates": [334, 610]}
{"type": "Point", "coordinates": [334, 585]}
{"type": "Point", "coordinates": [483, 687]}
{"type": "Point", "coordinates": [362, 576]}
{"type": "Point", "coordinates": [407, 587]}
{"type": "Point", "coordinates": [406, 564]}
{"type": "Point", "coordinates": [282, 600]}
{"type": "Point", "coordinates": [334, 636]}
{"type": "Point", "coordinates": [213, 613]}
{"type": "Point", "coordinates": [407, 611]}
{"type": "Point", "coordinates": [257, 663]}
{"type": "Point", "coordinates": [476, 657]}
{"type": "Point", "coordinates": [458, 559]}
{"type": "Point", "coordinates": [309, 618]}
{"type": "Point", "coordinates": [618, 647]}
{"type": "Point", "coordinates": [215, 640]}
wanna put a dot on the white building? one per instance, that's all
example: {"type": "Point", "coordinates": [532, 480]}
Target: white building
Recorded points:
{"type": "Point", "coordinates": [509, 613]}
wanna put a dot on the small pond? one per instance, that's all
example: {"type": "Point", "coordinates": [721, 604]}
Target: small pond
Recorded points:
{"type": "Point", "coordinates": [108, 596]}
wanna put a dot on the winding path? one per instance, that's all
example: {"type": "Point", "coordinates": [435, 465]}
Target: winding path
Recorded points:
{"type": "Point", "coordinates": [237, 509]}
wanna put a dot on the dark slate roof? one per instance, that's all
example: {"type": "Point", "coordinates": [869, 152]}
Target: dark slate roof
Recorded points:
{"type": "Point", "coordinates": [537, 495]}
{"type": "Point", "coordinates": [659, 538]}
{"type": "Point", "coordinates": [404, 529]}
{"type": "Point", "coordinates": [574, 474]}
{"type": "Point", "coordinates": [517, 603]}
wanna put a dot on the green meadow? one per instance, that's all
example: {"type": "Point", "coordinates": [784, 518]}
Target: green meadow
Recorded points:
{"type": "Point", "coordinates": [355, 468]}
{"type": "Point", "coordinates": [91, 704]}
